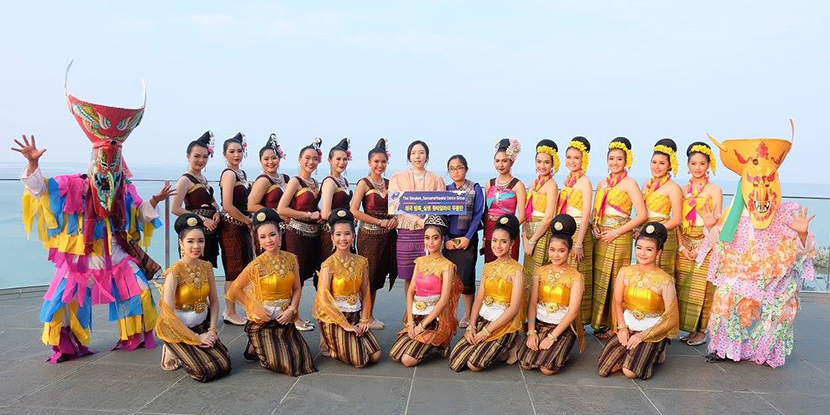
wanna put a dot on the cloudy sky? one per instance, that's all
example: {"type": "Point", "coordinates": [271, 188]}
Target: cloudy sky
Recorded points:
{"type": "Point", "coordinates": [457, 74]}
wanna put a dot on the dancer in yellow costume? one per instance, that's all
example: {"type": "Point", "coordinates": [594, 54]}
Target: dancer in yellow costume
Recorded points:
{"type": "Point", "coordinates": [616, 196]}
{"type": "Point", "coordinates": [575, 200]}
{"type": "Point", "coordinates": [541, 207]}
{"type": "Point", "coordinates": [664, 199]}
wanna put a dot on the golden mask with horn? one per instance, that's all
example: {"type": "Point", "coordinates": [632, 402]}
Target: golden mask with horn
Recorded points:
{"type": "Point", "coordinates": [757, 161]}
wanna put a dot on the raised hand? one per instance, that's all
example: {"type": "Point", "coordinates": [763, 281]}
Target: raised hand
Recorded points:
{"type": "Point", "coordinates": [801, 222]}
{"type": "Point", "coordinates": [164, 193]}
{"type": "Point", "coordinates": [29, 151]}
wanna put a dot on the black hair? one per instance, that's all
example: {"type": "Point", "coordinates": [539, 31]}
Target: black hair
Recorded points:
{"type": "Point", "coordinates": [380, 148]}
{"type": "Point", "coordinates": [235, 139]}
{"type": "Point", "coordinates": [265, 216]}
{"type": "Point", "coordinates": [412, 145]}
{"type": "Point", "coordinates": [202, 141]}
{"type": "Point", "coordinates": [625, 142]}
{"type": "Point", "coordinates": [547, 142]}
{"type": "Point", "coordinates": [187, 222]}
{"type": "Point", "coordinates": [511, 225]}
{"type": "Point", "coordinates": [438, 223]}
{"type": "Point", "coordinates": [460, 158]}
{"type": "Point", "coordinates": [341, 215]}
{"type": "Point", "coordinates": [563, 228]}
{"type": "Point", "coordinates": [315, 145]}
{"type": "Point", "coordinates": [656, 232]}
{"type": "Point", "coordinates": [689, 151]}
{"type": "Point", "coordinates": [668, 142]}
{"type": "Point", "coordinates": [270, 145]}
{"type": "Point", "coordinates": [584, 141]}
{"type": "Point", "coordinates": [343, 146]}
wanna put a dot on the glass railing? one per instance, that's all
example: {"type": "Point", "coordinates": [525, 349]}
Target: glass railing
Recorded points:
{"type": "Point", "coordinates": [25, 261]}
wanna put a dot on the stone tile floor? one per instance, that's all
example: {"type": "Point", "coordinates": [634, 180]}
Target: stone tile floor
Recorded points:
{"type": "Point", "coordinates": [132, 382]}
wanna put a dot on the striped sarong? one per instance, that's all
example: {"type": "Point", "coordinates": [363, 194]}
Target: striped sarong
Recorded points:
{"type": "Point", "coordinates": [379, 249]}
{"type": "Point", "coordinates": [481, 355]}
{"type": "Point", "coordinates": [346, 346]}
{"type": "Point", "coordinates": [608, 259]}
{"type": "Point", "coordinates": [307, 250]}
{"type": "Point", "coordinates": [415, 349]}
{"type": "Point", "coordinates": [694, 291]}
{"type": "Point", "coordinates": [410, 245]}
{"type": "Point", "coordinates": [280, 348]}
{"type": "Point", "coordinates": [202, 364]}
{"type": "Point", "coordinates": [553, 358]}
{"type": "Point", "coordinates": [586, 268]}
{"type": "Point", "coordinates": [641, 360]}
{"type": "Point", "coordinates": [540, 250]}
{"type": "Point", "coordinates": [237, 248]}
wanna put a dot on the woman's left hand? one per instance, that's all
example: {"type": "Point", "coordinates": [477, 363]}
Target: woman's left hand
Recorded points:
{"type": "Point", "coordinates": [286, 316]}
{"type": "Point", "coordinates": [608, 237]}
{"type": "Point", "coordinates": [634, 341]}
{"type": "Point", "coordinates": [362, 328]}
{"type": "Point", "coordinates": [479, 337]}
{"type": "Point", "coordinates": [546, 343]}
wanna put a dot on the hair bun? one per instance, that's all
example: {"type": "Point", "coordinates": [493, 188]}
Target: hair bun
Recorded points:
{"type": "Point", "coordinates": [186, 221]}
{"type": "Point", "coordinates": [655, 230]}
{"type": "Point", "coordinates": [340, 215]}
{"type": "Point", "coordinates": [563, 224]}
{"type": "Point", "coordinates": [509, 223]}
{"type": "Point", "coordinates": [265, 215]}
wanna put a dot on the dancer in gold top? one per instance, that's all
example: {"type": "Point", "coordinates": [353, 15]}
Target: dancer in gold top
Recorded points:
{"type": "Point", "coordinates": [497, 310]}
{"type": "Point", "coordinates": [190, 309]}
{"type": "Point", "coordinates": [664, 199]}
{"type": "Point", "coordinates": [269, 290]}
{"type": "Point", "coordinates": [541, 207]}
{"type": "Point", "coordinates": [645, 311]}
{"type": "Point", "coordinates": [616, 196]}
{"type": "Point", "coordinates": [343, 299]}
{"type": "Point", "coordinates": [554, 317]}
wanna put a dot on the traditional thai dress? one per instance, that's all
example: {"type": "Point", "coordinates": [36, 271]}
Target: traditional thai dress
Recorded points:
{"type": "Point", "coordinates": [644, 311]}
{"type": "Point", "coordinates": [612, 209]}
{"type": "Point", "coordinates": [92, 260]}
{"type": "Point", "coordinates": [341, 198]}
{"type": "Point", "coordinates": [758, 277]}
{"type": "Point", "coordinates": [377, 243]}
{"type": "Point", "coordinates": [199, 200]}
{"type": "Point", "coordinates": [537, 202]}
{"type": "Point", "coordinates": [271, 199]}
{"type": "Point", "coordinates": [658, 206]}
{"type": "Point", "coordinates": [265, 287]}
{"type": "Point", "coordinates": [466, 225]}
{"type": "Point", "coordinates": [570, 202]}
{"type": "Point", "coordinates": [235, 236]}
{"type": "Point", "coordinates": [179, 328]}
{"type": "Point", "coordinates": [501, 200]}
{"type": "Point", "coordinates": [428, 280]}
{"type": "Point", "coordinates": [498, 290]}
{"type": "Point", "coordinates": [410, 242]}
{"type": "Point", "coordinates": [339, 306]}
{"type": "Point", "coordinates": [302, 236]}
{"type": "Point", "coordinates": [554, 298]}
{"type": "Point", "coordinates": [694, 291]}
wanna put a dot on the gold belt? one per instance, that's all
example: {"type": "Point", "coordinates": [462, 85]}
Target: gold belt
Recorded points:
{"type": "Point", "coordinates": [639, 315]}
{"type": "Point", "coordinates": [373, 229]}
{"type": "Point", "coordinates": [422, 305]}
{"type": "Point", "coordinates": [489, 300]}
{"type": "Point", "coordinates": [614, 221]}
{"type": "Point", "coordinates": [226, 217]}
{"type": "Point", "coordinates": [348, 299]}
{"type": "Point", "coordinates": [282, 303]}
{"type": "Point", "coordinates": [198, 306]}
{"type": "Point", "coordinates": [692, 237]}
{"type": "Point", "coordinates": [552, 307]}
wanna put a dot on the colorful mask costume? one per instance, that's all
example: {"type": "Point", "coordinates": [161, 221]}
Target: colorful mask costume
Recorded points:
{"type": "Point", "coordinates": [758, 262]}
{"type": "Point", "coordinates": [91, 225]}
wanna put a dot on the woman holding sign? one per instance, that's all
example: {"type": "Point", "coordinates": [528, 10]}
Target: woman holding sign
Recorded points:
{"type": "Point", "coordinates": [410, 243]}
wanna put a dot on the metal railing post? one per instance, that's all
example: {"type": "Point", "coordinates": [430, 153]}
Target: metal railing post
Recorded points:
{"type": "Point", "coordinates": [167, 228]}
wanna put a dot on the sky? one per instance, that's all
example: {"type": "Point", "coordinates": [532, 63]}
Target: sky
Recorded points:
{"type": "Point", "coordinates": [456, 74]}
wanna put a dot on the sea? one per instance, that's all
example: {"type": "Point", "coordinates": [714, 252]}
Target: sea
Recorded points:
{"type": "Point", "coordinates": [24, 261]}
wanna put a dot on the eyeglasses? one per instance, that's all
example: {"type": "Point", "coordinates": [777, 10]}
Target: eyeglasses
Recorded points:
{"type": "Point", "coordinates": [455, 169]}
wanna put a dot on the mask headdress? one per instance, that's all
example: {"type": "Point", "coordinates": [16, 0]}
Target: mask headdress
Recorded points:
{"type": "Point", "coordinates": [548, 147]}
{"type": "Point", "coordinates": [622, 143]}
{"type": "Point", "coordinates": [584, 147]}
{"type": "Point", "coordinates": [107, 128]}
{"type": "Point", "coordinates": [668, 147]}
{"type": "Point", "coordinates": [757, 161]}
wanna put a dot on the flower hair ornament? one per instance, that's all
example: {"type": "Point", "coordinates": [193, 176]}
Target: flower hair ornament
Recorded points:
{"type": "Point", "coordinates": [553, 154]}
{"type": "Point", "coordinates": [512, 150]}
{"type": "Point", "coordinates": [272, 141]}
{"type": "Point", "coordinates": [699, 148]}
{"type": "Point", "coordinates": [672, 156]}
{"type": "Point", "coordinates": [211, 144]}
{"type": "Point", "coordinates": [386, 148]}
{"type": "Point", "coordinates": [582, 149]}
{"type": "Point", "coordinates": [316, 144]}
{"type": "Point", "coordinates": [629, 155]}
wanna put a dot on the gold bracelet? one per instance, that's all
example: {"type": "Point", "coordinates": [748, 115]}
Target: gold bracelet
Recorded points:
{"type": "Point", "coordinates": [551, 336]}
{"type": "Point", "coordinates": [214, 330]}
{"type": "Point", "coordinates": [410, 324]}
{"type": "Point", "coordinates": [531, 332]}
{"type": "Point", "coordinates": [292, 308]}
{"type": "Point", "coordinates": [363, 320]}
{"type": "Point", "coordinates": [485, 331]}
{"type": "Point", "coordinates": [622, 326]}
{"type": "Point", "coordinates": [421, 326]}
